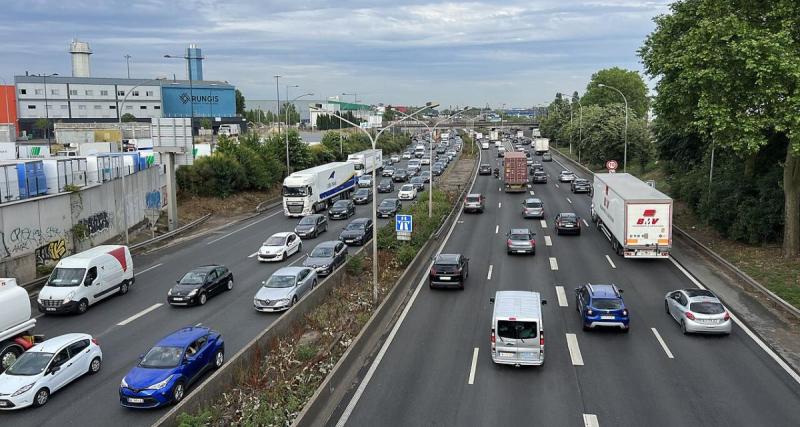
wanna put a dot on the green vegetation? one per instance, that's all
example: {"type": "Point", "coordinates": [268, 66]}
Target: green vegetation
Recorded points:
{"type": "Point", "coordinates": [424, 227]}
{"type": "Point", "coordinates": [128, 117]}
{"type": "Point", "coordinates": [205, 123]}
{"type": "Point", "coordinates": [327, 121]}
{"type": "Point", "coordinates": [240, 102]}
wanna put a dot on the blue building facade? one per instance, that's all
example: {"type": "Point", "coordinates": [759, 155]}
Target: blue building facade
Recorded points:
{"type": "Point", "coordinates": [207, 100]}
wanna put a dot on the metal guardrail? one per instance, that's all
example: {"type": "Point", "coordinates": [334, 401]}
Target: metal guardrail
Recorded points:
{"type": "Point", "coordinates": [170, 233]}
{"type": "Point", "coordinates": [269, 204]}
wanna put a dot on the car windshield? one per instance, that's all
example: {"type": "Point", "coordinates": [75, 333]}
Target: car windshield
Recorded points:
{"type": "Point", "coordinates": [66, 277]}
{"type": "Point", "coordinates": [280, 282]}
{"type": "Point", "coordinates": [325, 252]}
{"type": "Point", "coordinates": [516, 330]}
{"type": "Point", "coordinates": [340, 204]}
{"type": "Point", "coordinates": [160, 357]}
{"type": "Point", "coordinates": [309, 220]}
{"type": "Point", "coordinates": [358, 166]}
{"type": "Point", "coordinates": [517, 236]}
{"type": "Point", "coordinates": [400, 171]}
{"type": "Point", "coordinates": [275, 241]}
{"type": "Point", "coordinates": [706, 307]}
{"type": "Point", "coordinates": [407, 188]}
{"type": "Point", "coordinates": [607, 304]}
{"type": "Point", "coordinates": [363, 192]}
{"type": "Point", "coordinates": [295, 191]}
{"type": "Point", "coordinates": [473, 199]}
{"type": "Point", "coordinates": [355, 226]}
{"type": "Point", "coordinates": [30, 363]}
{"type": "Point", "coordinates": [193, 278]}
{"type": "Point", "coordinates": [568, 218]}
{"type": "Point", "coordinates": [533, 204]}
{"type": "Point", "coordinates": [387, 204]}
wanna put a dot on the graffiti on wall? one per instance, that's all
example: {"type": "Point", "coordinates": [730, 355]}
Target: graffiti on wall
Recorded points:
{"type": "Point", "coordinates": [97, 223]}
{"type": "Point", "coordinates": [28, 239]}
{"type": "Point", "coordinates": [52, 251]}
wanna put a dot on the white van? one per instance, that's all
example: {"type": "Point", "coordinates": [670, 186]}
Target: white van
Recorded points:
{"type": "Point", "coordinates": [517, 332]}
{"type": "Point", "coordinates": [83, 279]}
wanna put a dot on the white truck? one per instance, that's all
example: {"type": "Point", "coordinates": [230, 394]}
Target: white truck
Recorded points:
{"type": "Point", "coordinates": [635, 217]}
{"type": "Point", "coordinates": [229, 130]}
{"type": "Point", "coordinates": [494, 135]}
{"type": "Point", "coordinates": [311, 190]}
{"type": "Point", "coordinates": [541, 146]}
{"type": "Point", "coordinates": [15, 322]}
{"type": "Point", "coordinates": [364, 162]}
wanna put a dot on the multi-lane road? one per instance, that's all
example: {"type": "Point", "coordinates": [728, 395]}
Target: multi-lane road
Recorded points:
{"type": "Point", "coordinates": [435, 369]}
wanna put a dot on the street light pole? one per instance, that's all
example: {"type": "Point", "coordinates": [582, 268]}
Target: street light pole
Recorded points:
{"type": "Point", "coordinates": [278, 111]}
{"type": "Point", "coordinates": [580, 127]}
{"type": "Point", "coordinates": [288, 172]}
{"type": "Point", "coordinates": [625, 155]}
{"type": "Point", "coordinates": [46, 105]}
{"type": "Point", "coordinates": [128, 63]}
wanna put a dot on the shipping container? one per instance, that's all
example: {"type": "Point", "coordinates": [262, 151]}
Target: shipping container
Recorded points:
{"type": "Point", "coordinates": [25, 151]}
{"type": "Point", "coordinates": [32, 181]}
{"type": "Point", "coordinates": [8, 151]}
{"type": "Point", "coordinates": [9, 182]}
{"type": "Point", "coordinates": [101, 168]}
{"type": "Point", "coordinates": [515, 176]}
{"type": "Point", "coordinates": [64, 171]}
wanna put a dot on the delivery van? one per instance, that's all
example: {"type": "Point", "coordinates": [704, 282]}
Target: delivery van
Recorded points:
{"type": "Point", "coordinates": [517, 336]}
{"type": "Point", "coordinates": [83, 279]}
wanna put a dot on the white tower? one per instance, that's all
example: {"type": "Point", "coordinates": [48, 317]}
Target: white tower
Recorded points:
{"type": "Point", "coordinates": [80, 58]}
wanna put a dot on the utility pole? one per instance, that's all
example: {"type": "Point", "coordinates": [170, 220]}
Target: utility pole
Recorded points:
{"type": "Point", "coordinates": [278, 111]}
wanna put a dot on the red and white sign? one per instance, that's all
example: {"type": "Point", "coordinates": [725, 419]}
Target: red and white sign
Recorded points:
{"type": "Point", "coordinates": [611, 165]}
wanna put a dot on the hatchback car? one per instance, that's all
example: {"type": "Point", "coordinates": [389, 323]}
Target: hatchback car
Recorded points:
{"type": "Point", "coordinates": [474, 202]}
{"type": "Point", "coordinates": [387, 171]}
{"type": "Point", "coordinates": [166, 371]}
{"type": "Point", "coordinates": [388, 208]}
{"type": "Point", "coordinates": [533, 208]}
{"type": "Point", "coordinates": [365, 181]}
{"type": "Point", "coordinates": [326, 257]}
{"type": "Point", "coordinates": [580, 185]}
{"type": "Point", "coordinates": [601, 305]}
{"type": "Point", "coordinates": [46, 368]}
{"type": "Point", "coordinates": [407, 192]}
{"type": "Point", "coordinates": [449, 270]}
{"type": "Point", "coordinates": [200, 283]}
{"type": "Point", "coordinates": [400, 175]}
{"type": "Point", "coordinates": [547, 157]}
{"type": "Point", "coordinates": [284, 288]}
{"type": "Point", "coordinates": [419, 183]}
{"type": "Point", "coordinates": [362, 196]}
{"type": "Point", "coordinates": [567, 222]}
{"type": "Point", "coordinates": [425, 160]}
{"type": "Point", "coordinates": [539, 177]}
{"type": "Point", "coordinates": [520, 241]}
{"type": "Point", "coordinates": [426, 176]}
{"type": "Point", "coordinates": [358, 232]}
{"type": "Point", "coordinates": [566, 176]}
{"type": "Point", "coordinates": [698, 310]}
{"type": "Point", "coordinates": [279, 246]}
{"type": "Point", "coordinates": [485, 169]}
{"type": "Point", "coordinates": [386, 186]}
{"type": "Point", "coordinates": [342, 209]}
{"type": "Point", "coordinates": [395, 158]}
{"type": "Point", "coordinates": [311, 226]}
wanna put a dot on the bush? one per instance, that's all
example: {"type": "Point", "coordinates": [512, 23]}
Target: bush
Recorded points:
{"type": "Point", "coordinates": [217, 175]}
{"type": "Point", "coordinates": [355, 265]}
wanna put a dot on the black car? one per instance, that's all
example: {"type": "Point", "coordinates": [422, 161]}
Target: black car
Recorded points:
{"type": "Point", "coordinates": [485, 169]}
{"type": "Point", "coordinates": [580, 185]}
{"type": "Point", "coordinates": [539, 177]}
{"type": "Point", "coordinates": [418, 182]}
{"type": "Point", "coordinates": [441, 149]}
{"type": "Point", "coordinates": [386, 186]}
{"type": "Point", "coordinates": [400, 175]}
{"type": "Point", "coordinates": [568, 222]}
{"type": "Point", "coordinates": [326, 257]}
{"type": "Point", "coordinates": [426, 176]}
{"type": "Point", "coordinates": [358, 232]}
{"type": "Point", "coordinates": [311, 226]}
{"type": "Point", "coordinates": [449, 270]}
{"type": "Point", "coordinates": [437, 171]}
{"type": "Point", "coordinates": [362, 196]}
{"type": "Point", "coordinates": [198, 284]}
{"type": "Point", "coordinates": [389, 207]}
{"type": "Point", "coordinates": [342, 209]}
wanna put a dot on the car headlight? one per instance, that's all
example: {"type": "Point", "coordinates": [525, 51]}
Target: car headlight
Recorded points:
{"type": "Point", "coordinates": [193, 293]}
{"type": "Point", "coordinates": [160, 385]}
{"type": "Point", "coordinates": [23, 389]}
{"type": "Point", "coordinates": [68, 298]}
{"type": "Point", "coordinates": [123, 384]}
{"type": "Point", "coordinates": [283, 300]}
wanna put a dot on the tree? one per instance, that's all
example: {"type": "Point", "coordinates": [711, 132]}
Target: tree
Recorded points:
{"type": "Point", "coordinates": [128, 117]}
{"type": "Point", "coordinates": [294, 115]}
{"type": "Point", "coordinates": [628, 82]}
{"type": "Point", "coordinates": [240, 104]}
{"type": "Point", "coordinates": [389, 114]}
{"type": "Point", "coordinates": [729, 71]}
{"type": "Point", "coordinates": [205, 123]}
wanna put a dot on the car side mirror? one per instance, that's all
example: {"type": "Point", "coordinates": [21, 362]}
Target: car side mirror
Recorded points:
{"type": "Point", "coordinates": [263, 282]}
{"type": "Point", "coordinates": [491, 300]}
{"type": "Point", "coordinates": [577, 290]}
{"type": "Point", "coordinates": [544, 301]}
{"type": "Point", "coordinates": [621, 290]}
{"type": "Point", "coordinates": [141, 356]}
{"type": "Point", "coordinates": [55, 369]}
{"type": "Point", "coordinates": [177, 281]}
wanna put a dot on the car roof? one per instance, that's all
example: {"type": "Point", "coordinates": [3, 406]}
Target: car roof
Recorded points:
{"type": "Point", "coordinates": [474, 195]}
{"type": "Point", "coordinates": [568, 214]}
{"type": "Point", "coordinates": [282, 234]}
{"type": "Point", "coordinates": [328, 244]}
{"type": "Point", "coordinates": [342, 201]}
{"type": "Point", "coordinates": [533, 200]}
{"type": "Point", "coordinates": [54, 344]}
{"type": "Point", "coordinates": [184, 336]}
{"type": "Point", "coordinates": [604, 291]}
{"type": "Point", "coordinates": [389, 200]}
{"type": "Point", "coordinates": [520, 231]}
{"type": "Point", "coordinates": [205, 268]}
{"type": "Point", "coordinates": [362, 190]}
{"type": "Point", "coordinates": [566, 171]}
{"type": "Point", "coordinates": [695, 292]}
{"type": "Point", "coordinates": [289, 271]}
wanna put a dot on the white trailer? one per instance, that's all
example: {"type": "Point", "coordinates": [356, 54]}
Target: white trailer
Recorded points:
{"type": "Point", "coordinates": [635, 217]}
{"type": "Point", "coordinates": [494, 135]}
{"type": "Point", "coordinates": [229, 130]}
{"type": "Point", "coordinates": [16, 322]}
{"type": "Point", "coordinates": [541, 146]}
{"type": "Point", "coordinates": [364, 162]}
{"type": "Point", "coordinates": [311, 190]}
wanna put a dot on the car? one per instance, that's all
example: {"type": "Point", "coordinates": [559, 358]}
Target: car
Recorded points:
{"type": "Point", "coordinates": [386, 186]}
{"type": "Point", "coordinates": [601, 305]}
{"type": "Point", "coordinates": [448, 270]}
{"type": "Point", "coordinates": [536, 166]}
{"type": "Point", "coordinates": [425, 160]}
{"type": "Point", "coordinates": [407, 192]}
{"type": "Point", "coordinates": [406, 155]}
{"type": "Point", "coordinates": [342, 209]}
{"type": "Point", "coordinates": [539, 177]}
{"type": "Point", "coordinates": [566, 176]}
{"type": "Point", "coordinates": [400, 175]}
{"type": "Point", "coordinates": [529, 162]}
{"type": "Point", "coordinates": [451, 155]}
{"type": "Point", "coordinates": [441, 149]}
{"type": "Point", "coordinates": [326, 257]}
{"type": "Point", "coordinates": [311, 226]}
{"type": "Point", "coordinates": [501, 152]}
{"type": "Point", "coordinates": [365, 181]}
{"type": "Point", "coordinates": [284, 288]}
{"type": "Point", "coordinates": [698, 311]}
{"type": "Point", "coordinates": [568, 222]}
{"type": "Point", "coordinates": [279, 246]}
{"type": "Point", "coordinates": [580, 185]}
{"type": "Point", "coordinates": [426, 176]}
{"type": "Point", "coordinates": [437, 170]}
{"type": "Point", "coordinates": [547, 157]}
{"type": "Point", "coordinates": [520, 241]}
{"type": "Point", "coordinates": [200, 283]}
{"type": "Point", "coordinates": [485, 169]}
{"type": "Point", "coordinates": [389, 207]}
{"type": "Point", "coordinates": [362, 196]}
{"type": "Point", "coordinates": [533, 208]}
{"type": "Point", "coordinates": [166, 371]}
{"type": "Point", "coordinates": [394, 158]}
{"type": "Point", "coordinates": [358, 232]}
{"type": "Point", "coordinates": [474, 202]}
{"type": "Point", "coordinates": [46, 368]}
{"type": "Point", "coordinates": [418, 182]}
{"type": "Point", "coordinates": [387, 171]}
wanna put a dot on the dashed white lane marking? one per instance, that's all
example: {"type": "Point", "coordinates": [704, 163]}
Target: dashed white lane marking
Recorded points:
{"type": "Point", "coordinates": [499, 189]}
{"type": "Point", "coordinates": [489, 276]}
{"type": "Point", "coordinates": [556, 185]}
{"type": "Point", "coordinates": [499, 205]}
{"type": "Point", "coordinates": [297, 260]}
{"type": "Point", "coordinates": [543, 223]}
{"type": "Point", "coordinates": [496, 229]}
{"type": "Point", "coordinates": [473, 366]}
{"type": "Point", "coordinates": [574, 350]}
{"type": "Point", "coordinates": [548, 241]}
{"type": "Point", "coordinates": [150, 268]}
{"type": "Point", "coordinates": [570, 201]}
{"type": "Point", "coordinates": [562, 296]}
{"type": "Point", "coordinates": [252, 255]}
{"type": "Point", "coordinates": [585, 223]}
{"type": "Point", "coordinates": [663, 344]}
{"type": "Point", "coordinates": [610, 262]}
{"type": "Point", "coordinates": [139, 314]}
{"type": "Point", "coordinates": [553, 264]}
{"type": "Point", "coordinates": [590, 420]}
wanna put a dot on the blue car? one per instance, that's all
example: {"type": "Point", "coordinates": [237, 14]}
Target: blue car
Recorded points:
{"type": "Point", "coordinates": [166, 371]}
{"type": "Point", "coordinates": [601, 305]}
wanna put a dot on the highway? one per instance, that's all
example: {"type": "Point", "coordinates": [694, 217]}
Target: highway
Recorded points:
{"type": "Point", "coordinates": [436, 369]}
{"type": "Point", "coordinates": [127, 326]}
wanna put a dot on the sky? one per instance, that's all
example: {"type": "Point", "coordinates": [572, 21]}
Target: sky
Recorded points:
{"type": "Point", "coordinates": [517, 53]}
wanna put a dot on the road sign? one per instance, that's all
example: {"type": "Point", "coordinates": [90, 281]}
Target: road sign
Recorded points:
{"type": "Point", "coordinates": [403, 223]}
{"type": "Point", "coordinates": [611, 164]}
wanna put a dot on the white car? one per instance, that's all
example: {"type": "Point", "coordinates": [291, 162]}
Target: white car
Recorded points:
{"type": "Point", "coordinates": [46, 368]}
{"type": "Point", "coordinates": [280, 246]}
{"type": "Point", "coordinates": [406, 155]}
{"type": "Point", "coordinates": [566, 176]}
{"type": "Point", "coordinates": [407, 192]}
{"type": "Point", "coordinates": [426, 160]}
{"type": "Point", "coordinates": [394, 159]}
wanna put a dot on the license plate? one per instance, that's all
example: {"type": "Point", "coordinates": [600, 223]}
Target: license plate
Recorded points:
{"type": "Point", "coordinates": [526, 355]}
{"type": "Point", "coordinates": [506, 354]}
{"type": "Point", "coordinates": [50, 309]}
{"type": "Point", "coordinates": [444, 278]}
{"type": "Point", "coordinates": [568, 226]}
{"type": "Point", "coordinates": [349, 241]}
{"type": "Point", "coordinates": [607, 317]}
{"type": "Point", "coordinates": [135, 400]}
{"type": "Point", "coordinates": [178, 299]}
{"type": "Point", "coordinates": [520, 251]}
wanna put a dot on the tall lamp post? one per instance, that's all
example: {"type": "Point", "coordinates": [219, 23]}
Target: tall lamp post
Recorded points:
{"type": "Point", "coordinates": [374, 141]}
{"type": "Point", "coordinates": [278, 97]}
{"type": "Point", "coordinates": [46, 105]}
{"type": "Point", "coordinates": [580, 127]}
{"type": "Point", "coordinates": [625, 155]}
{"type": "Point", "coordinates": [288, 171]}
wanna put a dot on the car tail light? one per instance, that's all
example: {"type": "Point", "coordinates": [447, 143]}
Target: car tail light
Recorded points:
{"type": "Point", "coordinates": [533, 242]}
{"type": "Point", "coordinates": [727, 316]}
{"type": "Point", "coordinates": [433, 270]}
{"type": "Point", "coordinates": [508, 242]}
{"type": "Point", "coordinates": [541, 339]}
{"type": "Point", "coordinates": [94, 340]}
{"type": "Point", "coordinates": [690, 315]}
{"type": "Point", "coordinates": [492, 338]}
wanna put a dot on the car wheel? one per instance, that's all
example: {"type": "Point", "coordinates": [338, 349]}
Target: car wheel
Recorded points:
{"type": "Point", "coordinates": [202, 299]}
{"type": "Point", "coordinates": [230, 284]}
{"type": "Point", "coordinates": [683, 327]}
{"type": "Point", "coordinates": [178, 391]}
{"type": "Point", "coordinates": [585, 327]}
{"type": "Point", "coordinates": [8, 356]}
{"type": "Point", "coordinates": [95, 366]}
{"type": "Point", "coordinates": [123, 288]}
{"type": "Point", "coordinates": [83, 305]}
{"type": "Point", "coordinates": [294, 301]}
{"type": "Point", "coordinates": [283, 256]}
{"type": "Point", "coordinates": [316, 233]}
{"type": "Point", "coordinates": [41, 397]}
{"type": "Point", "coordinates": [219, 359]}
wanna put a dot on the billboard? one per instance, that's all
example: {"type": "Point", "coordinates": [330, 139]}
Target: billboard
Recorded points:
{"type": "Point", "coordinates": [207, 101]}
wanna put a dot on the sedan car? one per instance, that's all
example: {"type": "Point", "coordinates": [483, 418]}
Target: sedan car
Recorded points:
{"type": "Point", "coordinates": [326, 257]}
{"type": "Point", "coordinates": [362, 196]}
{"type": "Point", "coordinates": [279, 246]}
{"type": "Point", "coordinates": [311, 226]}
{"type": "Point", "coordinates": [474, 202]}
{"type": "Point", "coordinates": [46, 368]}
{"type": "Point", "coordinates": [426, 176]}
{"type": "Point", "coordinates": [200, 283]}
{"type": "Point", "coordinates": [284, 288]}
{"type": "Point", "coordinates": [358, 232]}
{"type": "Point", "coordinates": [698, 310]}
{"type": "Point", "coordinates": [547, 157]}
{"type": "Point", "coordinates": [166, 371]}
{"type": "Point", "coordinates": [389, 208]}
{"type": "Point", "coordinates": [407, 192]}
{"type": "Point", "coordinates": [580, 185]}
{"type": "Point", "coordinates": [418, 182]}
{"type": "Point", "coordinates": [566, 176]}
{"type": "Point", "coordinates": [485, 169]}
{"type": "Point", "coordinates": [437, 170]}
{"type": "Point", "coordinates": [539, 177]}
{"type": "Point", "coordinates": [386, 186]}
{"type": "Point", "coordinates": [567, 222]}
{"type": "Point", "coordinates": [387, 171]}
{"type": "Point", "coordinates": [520, 241]}
{"type": "Point", "coordinates": [400, 175]}
{"type": "Point", "coordinates": [601, 305]}
{"type": "Point", "coordinates": [342, 209]}
{"type": "Point", "coordinates": [425, 160]}
{"type": "Point", "coordinates": [365, 181]}
{"type": "Point", "coordinates": [533, 208]}
{"type": "Point", "coordinates": [394, 158]}
{"type": "Point", "coordinates": [448, 270]}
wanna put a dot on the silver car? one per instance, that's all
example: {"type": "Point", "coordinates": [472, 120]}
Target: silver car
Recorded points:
{"type": "Point", "coordinates": [698, 310]}
{"type": "Point", "coordinates": [326, 257]}
{"type": "Point", "coordinates": [532, 208]}
{"type": "Point", "coordinates": [284, 288]}
{"type": "Point", "coordinates": [520, 241]}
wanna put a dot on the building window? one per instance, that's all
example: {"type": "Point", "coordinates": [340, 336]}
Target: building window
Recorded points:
{"type": "Point", "coordinates": [97, 107]}
{"type": "Point", "coordinates": [149, 93]}
{"type": "Point", "coordinates": [142, 107]}
{"type": "Point", "coordinates": [23, 91]}
{"type": "Point", "coordinates": [81, 107]}
{"type": "Point", "coordinates": [73, 92]}
{"type": "Point", "coordinates": [53, 91]}
{"type": "Point", "coordinates": [89, 92]}
{"type": "Point", "coordinates": [156, 107]}
{"type": "Point", "coordinates": [135, 93]}
{"type": "Point", "coordinates": [38, 91]}
{"type": "Point", "coordinates": [112, 107]}
{"type": "Point", "coordinates": [120, 93]}
{"type": "Point", "coordinates": [31, 107]}
{"type": "Point", "coordinates": [103, 93]}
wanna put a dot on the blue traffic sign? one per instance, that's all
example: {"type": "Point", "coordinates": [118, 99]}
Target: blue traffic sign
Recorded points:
{"type": "Point", "coordinates": [404, 223]}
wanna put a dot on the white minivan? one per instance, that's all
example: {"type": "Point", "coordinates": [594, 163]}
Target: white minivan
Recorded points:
{"type": "Point", "coordinates": [517, 336]}
{"type": "Point", "coordinates": [83, 279]}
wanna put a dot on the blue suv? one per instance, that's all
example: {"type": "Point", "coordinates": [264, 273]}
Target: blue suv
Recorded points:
{"type": "Point", "coordinates": [601, 305]}
{"type": "Point", "coordinates": [166, 371]}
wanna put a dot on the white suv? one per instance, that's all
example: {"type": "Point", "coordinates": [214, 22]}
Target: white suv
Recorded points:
{"type": "Point", "coordinates": [407, 192]}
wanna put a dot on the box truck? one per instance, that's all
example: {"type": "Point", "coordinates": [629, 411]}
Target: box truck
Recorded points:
{"type": "Point", "coordinates": [541, 146]}
{"type": "Point", "coordinates": [494, 135]}
{"type": "Point", "coordinates": [311, 190]}
{"type": "Point", "coordinates": [635, 217]}
{"type": "Point", "coordinates": [16, 323]}
{"type": "Point", "coordinates": [364, 162]}
{"type": "Point", "coordinates": [64, 171]}
{"type": "Point", "coordinates": [515, 175]}
{"type": "Point", "coordinates": [229, 130]}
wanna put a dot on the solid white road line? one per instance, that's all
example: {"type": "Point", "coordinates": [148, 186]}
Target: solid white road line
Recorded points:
{"type": "Point", "coordinates": [562, 296]}
{"type": "Point", "coordinates": [610, 262]}
{"type": "Point", "coordinates": [149, 268]}
{"type": "Point", "coordinates": [553, 264]}
{"type": "Point", "coordinates": [590, 420]}
{"type": "Point", "coordinates": [585, 223]}
{"type": "Point", "coordinates": [548, 241]}
{"type": "Point", "coordinates": [794, 375]}
{"type": "Point", "coordinates": [474, 365]}
{"type": "Point", "coordinates": [253, 254]}
{"type": "Point", "coordinates": [499, 205]}
{"type": "Point", "coordinates": [139, 314]}
{"type": "Point", "coordinates": [496, 229]}
{"type": "Point", "coordinates": [242, 228]}
{"type": "Point", "coordinates": [663, 344]}
{"type": "Point", "coordinates": [574, 350]}
{"type": "Point", "coordinates": [489, 276]}
{"type": "Point", "coordinates": [499, 188]}
{"type": "Point", "coordinates": [570, 201]}
{"type": "Point", "coordinates": [199, 324]}
{"type": "Point", "coordinates": [543, 223]}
